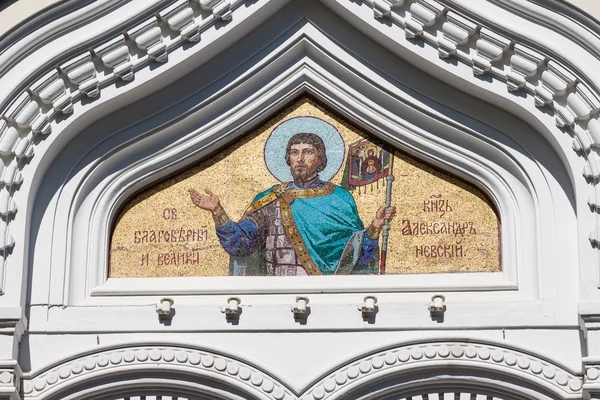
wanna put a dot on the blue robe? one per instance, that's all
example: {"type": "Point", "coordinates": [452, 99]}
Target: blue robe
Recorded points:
{"type": "Point", "coordinates": [329, 226]}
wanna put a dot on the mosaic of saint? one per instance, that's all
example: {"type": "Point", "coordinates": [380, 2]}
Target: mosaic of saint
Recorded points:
{"type": "Point", "coordinates": [306, 194]}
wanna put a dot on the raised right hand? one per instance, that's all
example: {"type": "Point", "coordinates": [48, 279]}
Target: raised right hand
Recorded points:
{"type": "Point", "coordinates": [209, 201]}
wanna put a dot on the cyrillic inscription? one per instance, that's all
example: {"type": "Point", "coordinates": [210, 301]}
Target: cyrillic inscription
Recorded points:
{"type": "Point", "coordinates": [306, 194]}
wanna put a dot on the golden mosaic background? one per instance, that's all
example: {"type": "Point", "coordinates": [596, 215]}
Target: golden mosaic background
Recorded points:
{"type": "Point", "coordinates": [238, 173]}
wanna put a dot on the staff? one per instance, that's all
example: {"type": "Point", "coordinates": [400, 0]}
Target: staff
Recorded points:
{"type": "Point", "coordinates": [385, 232]}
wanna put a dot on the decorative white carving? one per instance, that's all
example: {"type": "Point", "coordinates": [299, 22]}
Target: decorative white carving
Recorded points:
{"type": "Point", "coordinates": [157, 397]}
{"type": "Point", "coordinates": [6, 240]}
{"type": "Point", "coordinates": [180, 18]}
{"type": "Point", "coordinates": [9, 173]}
{"type": "Point", "coordinates": [591, 379]}
{"type": "Point", "coordinates": [423, 13]}
{"type": "Point", "coordinates": [221, 9]}
{"type": "Point", "coordinates": [490, 48]}
{"type": "Point", "coordinates": [593, 128]}
{"type": "Point", "coordinates": [148, 37]}
{"type": "Point", "coordinates": [7, 204]}
{"type": "Point", "coordinates": [115, 55]}
{"type": "Point", "coordinates": [13, 144]}
{"type": "Point", "coordinates": [82, 72]}
{"type": "Point", "coordinates": [25, 117]}
{"type": "Point", "coordinates": [51, 90]}
{"type": "Point", "coordinates": [381, 8]}
{"type": "Point", "coordinates": [555, 82]}
{"type": "Point", "coordinates": [524, 64]}
{"type": "Point", "coordinates": [9, 136]}
{"type": "Point", "coordinates": [10, 380]}
{"type": "Point", "coordinates": [160, 357]}
{"type": "Point", "coordinates": [359, 372]}
{"type": "Point", "coordinates": [522, 72]}
{"type": "Point", "coordinates": [24, 111]}
{"type": "Point", "coordinates": [582, 140]}
{"type": "Point", "coordinates": [592, 167]}
{"type": "Point", "coordinates": [592, 375]}
{"type": "Point", "coordinates": [456, 354]}
{"type": "Point", "coordinates": [582, 102]}
{"type": "Point", "coordinates": [456, 31]}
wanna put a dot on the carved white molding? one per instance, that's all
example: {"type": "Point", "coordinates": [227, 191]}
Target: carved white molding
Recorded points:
{"type": "Point", "coordinates": [155, 358]}
{"type": "Point", "coordinates": [549, 82]}
{"type": "Point", "coordinates": [591, 376]}
{"type": "Point", "coordinates": [441, 356]}
{"type": "Point", "coordinates": [310, 72]}
{"type": "Point", "coordinates": [317, 64]}
{"type": "Point", "coordinates": [29, 115]}
{"type": "Point", "coordinates": [146, 397]}
{"type": "Point", "coordinates": [397, 364]}
{"type": "Point", "coordinates": [10, 380]}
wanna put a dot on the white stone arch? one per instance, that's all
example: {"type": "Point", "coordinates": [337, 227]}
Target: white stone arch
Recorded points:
{"type": "Point", "coordinates": [448, 370]}
{"type": "Point", "coordinates": [304, 57]}
{"type": "Point", "coordinates": [34, 98]}
{"type": "Point", "coordinates": [22, 113]}
{"type": "Point", "coordinates": [154, 370]}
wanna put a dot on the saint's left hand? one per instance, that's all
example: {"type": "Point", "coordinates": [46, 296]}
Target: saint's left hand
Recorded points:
{"type": "Point", "coordinates": [382, 214]}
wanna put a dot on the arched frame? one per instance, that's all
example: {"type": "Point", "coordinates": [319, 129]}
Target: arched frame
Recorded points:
{"type": "Point", "coordinates": [95, 172]}
{"type": "Point", "coordinates": [93, 112]}
{"type": "Point", "coordinates": [115, 96]}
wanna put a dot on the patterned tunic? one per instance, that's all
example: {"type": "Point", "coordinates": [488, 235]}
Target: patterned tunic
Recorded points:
{"type": "Point", "coordinates": [280, 257]}
{"type": "Point", "coordinates": [263, 231]}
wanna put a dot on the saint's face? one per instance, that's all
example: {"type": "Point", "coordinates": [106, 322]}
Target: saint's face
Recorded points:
{"type": "Point", "coordinates": [304, 160]}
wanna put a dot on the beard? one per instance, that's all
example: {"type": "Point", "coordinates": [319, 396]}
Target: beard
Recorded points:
{"type": "Point", "coordinates": [304, 174]}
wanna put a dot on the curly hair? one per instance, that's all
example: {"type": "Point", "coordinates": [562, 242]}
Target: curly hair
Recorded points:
{"type": "Point", "coordinates": [308, 138]}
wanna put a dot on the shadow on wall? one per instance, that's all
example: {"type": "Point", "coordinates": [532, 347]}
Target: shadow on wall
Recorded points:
{"type": "Point", "coordinates": [6, 3]}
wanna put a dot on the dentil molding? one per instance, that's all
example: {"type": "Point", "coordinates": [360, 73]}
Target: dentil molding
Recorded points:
{"type": "Point", "coordinates": [491, 360]}
{"type": "Point", "coordinates": [29, 114]}
{"type": "Point", "coordinates": [550, 82]}
{"type": "Point", "coordinates": [157, 358]}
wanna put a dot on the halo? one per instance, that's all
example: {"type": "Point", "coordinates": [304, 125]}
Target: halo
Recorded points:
{"type": "Point", "coordinates": [276, 146]}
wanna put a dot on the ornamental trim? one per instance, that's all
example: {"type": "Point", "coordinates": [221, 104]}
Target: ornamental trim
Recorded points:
{"type": "Point", "coordinates": [471, 355]}
{"type": "Point", "coordinates": [490, 359]}
{"type": "Point", "coordinates": [550, 83]}
{"type": "Point", "coordinates": [162, 358]}
{"type": "Point", "coordinates": [29, 115]}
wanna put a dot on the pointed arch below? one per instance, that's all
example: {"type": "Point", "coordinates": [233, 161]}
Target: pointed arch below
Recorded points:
{"type": "Point", "coordinates": [419, 371]}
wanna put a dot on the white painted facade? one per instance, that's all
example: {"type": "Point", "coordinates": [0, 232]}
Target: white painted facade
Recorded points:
{"type": "Point", "coordinates": [105, 98]}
